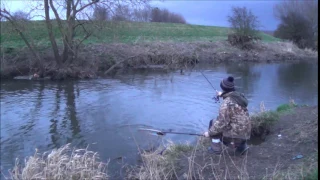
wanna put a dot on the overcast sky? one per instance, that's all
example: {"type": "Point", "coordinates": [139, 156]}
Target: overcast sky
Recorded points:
{"type": "Point", "coordinates": [215, 12]}
{"type": "Point", "coordinates": [206, 12]}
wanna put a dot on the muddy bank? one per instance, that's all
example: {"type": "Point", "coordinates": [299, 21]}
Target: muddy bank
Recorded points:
{"type": "Point", "coordinates": [289, 151]}
{"type": "Point", "coordinates": [103, 59]}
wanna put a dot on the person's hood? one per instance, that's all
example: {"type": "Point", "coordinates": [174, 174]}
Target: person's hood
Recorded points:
{"type": "Point", "coordinates": [237, 97]}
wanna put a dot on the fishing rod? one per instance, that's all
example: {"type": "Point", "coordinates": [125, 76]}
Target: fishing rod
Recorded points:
{"type": "Point", "coordinates": [216, 98]}
{"type": "Point", "coordinates": [162, 133]}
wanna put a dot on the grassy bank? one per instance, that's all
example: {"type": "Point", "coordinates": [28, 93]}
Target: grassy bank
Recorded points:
{"type": "Point", "coordinates": [121, 32]}
{"type": "Point", "coordinates": [289, 151]}
{"type": "Point", "coordinates": [137, 45]}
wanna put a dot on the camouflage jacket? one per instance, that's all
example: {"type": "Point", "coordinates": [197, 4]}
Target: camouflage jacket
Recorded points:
{"type": "Point", "coordinates": [233, 120]}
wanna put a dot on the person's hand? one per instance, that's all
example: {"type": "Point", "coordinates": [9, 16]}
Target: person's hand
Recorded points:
{"type": "Point", "coordinates": [206, 134]}
{"type": "Point", "coordinates": [218, 93]}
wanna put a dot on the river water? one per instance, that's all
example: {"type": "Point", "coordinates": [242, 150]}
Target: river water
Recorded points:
{"type": "Point", "coordinates": [106, 113]}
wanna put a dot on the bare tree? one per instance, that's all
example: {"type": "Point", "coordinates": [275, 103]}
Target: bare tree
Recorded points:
{"type": "Point", "coordinates": [307, 10]}
{"type": "Point", "coordinates": [243, 21]}
{"type": "Point", "coordinates": [14, 21]}
{"type": "Point", "coordinates": [245, 26]}
{"type": "Point", "coordinates": [142, 15]}
{"type": "Point", "coordinates": [74, 9]}
{"type": "Point", "coordinates": [176, 18]}
{"type": "Point", "coordinates": [100, 13]}
{"type": "Point", "coordinates": [21, 16]}
{"type": "Point", "coordinates": [295, 27]}
{"type": "Point", "coordinates": [164, 15]}
{"type": "Point", "coordinates": [156, 15]}
{"type": "Point", "coordinates": [122, 13]}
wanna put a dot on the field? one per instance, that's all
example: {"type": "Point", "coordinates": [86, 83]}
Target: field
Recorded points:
{"type": "Point", "coordinates": [120, 32]}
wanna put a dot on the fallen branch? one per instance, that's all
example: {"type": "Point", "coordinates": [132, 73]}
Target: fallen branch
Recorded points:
{"type": "Point", "coordinates": [115, 65]}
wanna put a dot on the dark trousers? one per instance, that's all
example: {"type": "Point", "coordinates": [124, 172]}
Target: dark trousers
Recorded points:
{"type": "Point", "coordinates": [237, 143]}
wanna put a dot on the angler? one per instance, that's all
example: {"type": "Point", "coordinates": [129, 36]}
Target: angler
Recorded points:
{"type": "Point", "coordinates": [232, 126]}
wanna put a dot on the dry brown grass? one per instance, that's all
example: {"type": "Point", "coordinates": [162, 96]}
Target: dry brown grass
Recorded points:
{"type": "Point", "coordinates": [190, 162]}
{"type": "Point", "coordinates": [98, 58]}
{"type": "Point", "coordinates": [60, 164]}
{"type": "Point", "coordinates": [305, 170]}
{"type": "Point", "coordinates": [159, 164]}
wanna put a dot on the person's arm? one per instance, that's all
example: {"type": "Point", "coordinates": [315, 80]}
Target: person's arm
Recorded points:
{"type": "Point", "coordinates": [222, 120]}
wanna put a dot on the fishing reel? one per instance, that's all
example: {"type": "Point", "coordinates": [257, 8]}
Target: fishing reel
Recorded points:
{"type": "Point", "coordinates": [216, 98]}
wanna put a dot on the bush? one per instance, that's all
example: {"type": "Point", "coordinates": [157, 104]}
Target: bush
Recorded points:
{"type": "Point", "coordinates": [285, 108]}
{"type": "Point", "coordinates": [262, 122]}
{"type": "Point", "coordinates": [298, 22]}
{"type": "Point", "coordinates": [100, 13]}
{"type": "Point", "coordinates": [296, 28]}
{"type": "Point", "coordinates": [21, 16]}
{"type": "Point", "coordinates": [163, 15]}
{"type": "Point", "coordinates": [244, 41]}
{"type": "Point", "coordinates": [244, 24]}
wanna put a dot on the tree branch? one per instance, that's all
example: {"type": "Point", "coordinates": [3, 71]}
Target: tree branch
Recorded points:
{"type": "Point", "coordinates": [115, 65]}
{"type": "Point", "coordinates": [87, 5]}
{"type": "Point", "coordinates": [57, 17]}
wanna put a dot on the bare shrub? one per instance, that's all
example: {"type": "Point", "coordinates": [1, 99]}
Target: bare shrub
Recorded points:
{"type": "Point", "coordinates": [176, 18]}
{"type": "Point", "coordinates": [100, 13]}
{"type": "Point", "coordinates": [184, 161]}
{"type": "Point", "coordinates": [164, 15]}
{"type": "Point", "coordinates": [245, 26]}
{"type": "Point", "coordinates": [60, 164]}
{"type": "Point", "coordinates": [21, 15]}
{"type": "Point", "coordinates": [142, 15]}
{"type": "Point", "coordinates": [306, 11]}
{"type": "Point", "coordinates": [155, 165]}
{"type": "Point", "coordinates": [297, 28]}
{"type": "Point", "coordinates": [122, 13]}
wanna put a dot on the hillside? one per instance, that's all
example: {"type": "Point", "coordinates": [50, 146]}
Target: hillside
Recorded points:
{"type": "Point", "coordinates": [121, 32]}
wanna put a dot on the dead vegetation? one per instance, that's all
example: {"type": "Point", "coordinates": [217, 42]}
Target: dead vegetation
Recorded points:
{"type": "Point", "coordinates": [188, 162]}
{"type": "Point", "coordinates": [95, 60]}
{"type": "Point", "coordinates": [60, 164]}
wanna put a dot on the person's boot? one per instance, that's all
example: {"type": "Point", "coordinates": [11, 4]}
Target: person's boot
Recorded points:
{"type": "Point", "coordinates": [216, 147]}
{"type": "Point", "coordinates": [242, 148]}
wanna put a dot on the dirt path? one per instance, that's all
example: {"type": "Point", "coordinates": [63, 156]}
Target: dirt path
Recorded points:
{"type": "Point", "coordinates": [272, 158]}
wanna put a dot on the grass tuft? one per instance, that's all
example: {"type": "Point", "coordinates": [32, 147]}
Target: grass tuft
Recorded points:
{"type": "Point", "coordinates": [313, 175]}
{"type": "Point", "coordinates": [262, 122]}
{"type": "Point", "coordinates": [286, 107]}
{"type": "Point", "coordinates": [60, 164]}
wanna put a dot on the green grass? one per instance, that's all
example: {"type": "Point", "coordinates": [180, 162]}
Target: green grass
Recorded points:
{"type": "Point", "coordinates": [262, 122]}
{"type": "Point", "coordinates": [313, 175]}
{"type": "Point", "coordinates": [285, 108]}
{"type": "Point", "coordinates": [120, 32]}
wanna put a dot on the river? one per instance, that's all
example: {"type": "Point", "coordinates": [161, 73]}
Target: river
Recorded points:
{"type": "Point", "coordinates": [106, 113]}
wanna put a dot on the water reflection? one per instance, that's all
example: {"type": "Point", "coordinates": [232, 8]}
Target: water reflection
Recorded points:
{"type": "Point", "coordinates": [299, 80]}
{"type": "Point", "coordinates": [245, 76]}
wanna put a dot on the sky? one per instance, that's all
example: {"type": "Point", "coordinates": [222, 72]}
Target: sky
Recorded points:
{"type": "Point", "coordinates": [201, 12]}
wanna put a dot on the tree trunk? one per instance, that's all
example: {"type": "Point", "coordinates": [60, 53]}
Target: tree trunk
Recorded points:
{"type": "Point", "coordinates": [67, 40]}
{"type": "Point", "coordinates": [51, 35]}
